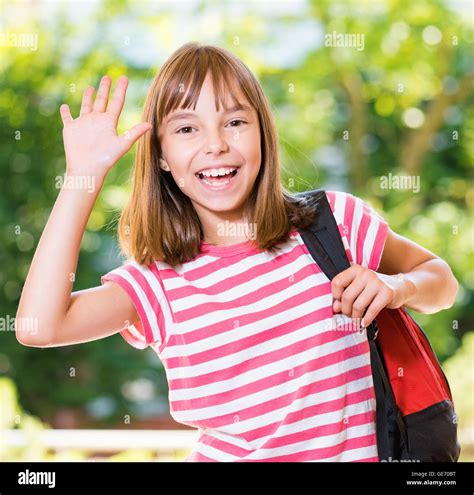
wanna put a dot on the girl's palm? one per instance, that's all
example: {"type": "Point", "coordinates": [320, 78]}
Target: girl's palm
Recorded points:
{"type": "Point", "coordinates": [91, 143]}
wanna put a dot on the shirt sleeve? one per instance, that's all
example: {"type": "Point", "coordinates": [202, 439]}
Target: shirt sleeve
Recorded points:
{"type": "Point", "coordinates": [144, 286]}
{"type": "Point", "coordinates": [363, 230]}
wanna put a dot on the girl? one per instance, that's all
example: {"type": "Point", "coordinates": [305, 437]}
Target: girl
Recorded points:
{"type": "Point", "coordinates": [218, 281]}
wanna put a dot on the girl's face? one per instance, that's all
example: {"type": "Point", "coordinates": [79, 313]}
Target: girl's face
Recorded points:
{"type": "Point", "coordinates": [221, 142]}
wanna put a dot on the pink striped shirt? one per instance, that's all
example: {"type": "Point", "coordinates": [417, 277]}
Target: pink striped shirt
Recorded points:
{"type": "Point", "coordinates": [254, 355]}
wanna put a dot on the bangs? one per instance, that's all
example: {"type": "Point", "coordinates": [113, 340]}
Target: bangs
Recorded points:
{"type": "Point", "coordinates": [183, 88]}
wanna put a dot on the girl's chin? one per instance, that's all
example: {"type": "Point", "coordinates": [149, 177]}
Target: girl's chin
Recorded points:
{"type": "Point", "coordinates": [220, 204]}
{"type": "Point", "coordinates": [229, 202]}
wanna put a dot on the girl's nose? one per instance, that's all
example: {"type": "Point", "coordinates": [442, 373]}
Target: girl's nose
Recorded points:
{"type": "Point", "coordinates": [215, 142]}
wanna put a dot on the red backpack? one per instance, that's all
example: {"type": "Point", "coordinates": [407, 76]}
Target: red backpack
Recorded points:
{"type": "Point", "coordinates": [415, 415]}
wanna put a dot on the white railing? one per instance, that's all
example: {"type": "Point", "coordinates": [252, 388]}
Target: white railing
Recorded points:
{"type": "Point", "coordinates": [106, 441]}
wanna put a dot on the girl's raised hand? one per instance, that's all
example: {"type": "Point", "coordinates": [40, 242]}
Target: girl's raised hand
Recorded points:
{"type": "Point", "coordinates": [91, 143]}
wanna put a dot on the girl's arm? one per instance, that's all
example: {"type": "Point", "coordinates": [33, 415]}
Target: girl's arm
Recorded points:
{"type": "Point", "coordinates": [424, 281]}
{"type": "Point", "coordinates": [48, 314]}
{"type": "Point", "coordinates": [408, 275]}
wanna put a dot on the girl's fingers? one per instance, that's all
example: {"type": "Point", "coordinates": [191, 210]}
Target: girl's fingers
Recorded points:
{"type": "Point", "coordinates": [116, 103]}
{"type": "Point", "coordinates": [66, 116]}
{"type": "Point", "coordinates": [86, 106]}
{"type": "Point", "coordinates": [350, 294]}
{"type": "Point", "coordinates": [102, 97]}
{"type": "Point", "coordinates": [133, 134]}
{"type": "Point", "coordinates": [374, 309]}
{"type": "Point", "coordinates": [363, 302]}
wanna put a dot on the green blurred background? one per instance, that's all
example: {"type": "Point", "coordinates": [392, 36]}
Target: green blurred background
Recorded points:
{"type": "Point", "coordinates": [400, 102]}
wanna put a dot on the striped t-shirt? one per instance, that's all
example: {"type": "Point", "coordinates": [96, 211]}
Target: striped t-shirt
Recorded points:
{"type": "Point", "coordinates": [254, 355]}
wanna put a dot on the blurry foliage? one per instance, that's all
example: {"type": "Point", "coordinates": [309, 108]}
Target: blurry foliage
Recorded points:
{"type": "Point", "coordinates": [12, 417]}
{"type": "Point", "coordinates": [371, 94]}
{"type": "Point", "coordinates": [459, 369]}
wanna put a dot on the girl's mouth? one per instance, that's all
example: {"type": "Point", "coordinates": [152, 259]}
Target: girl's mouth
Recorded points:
{"type": "Point", "coordinates": [219, 182]}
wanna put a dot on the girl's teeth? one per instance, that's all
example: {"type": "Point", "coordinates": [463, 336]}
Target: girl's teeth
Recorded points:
{"type": "Point", "coordinates": [217, 172]}
{"type": "Point", "coordinates": [215, 178]}
{"type": "Point", "coordinates": [220, 182]}
{"type": "Point", "coordinates": [220, 171]}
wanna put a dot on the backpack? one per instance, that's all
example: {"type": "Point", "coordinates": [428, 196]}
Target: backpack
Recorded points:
{"type": "Point", "coordinates": [415, 417]}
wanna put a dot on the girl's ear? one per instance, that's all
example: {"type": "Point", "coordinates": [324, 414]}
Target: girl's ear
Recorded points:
{"type": "Point", "coordinates": [164, 165]}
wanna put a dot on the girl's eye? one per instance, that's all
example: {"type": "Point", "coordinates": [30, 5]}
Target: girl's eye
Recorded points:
{"type": "Point", "coordinates": [182, 128]}
{"type": "Point", "coordinates": [237, 120]}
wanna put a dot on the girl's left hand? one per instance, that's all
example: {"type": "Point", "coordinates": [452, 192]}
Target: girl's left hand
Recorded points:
{"type": "Point", "coordinates": [358, 289]}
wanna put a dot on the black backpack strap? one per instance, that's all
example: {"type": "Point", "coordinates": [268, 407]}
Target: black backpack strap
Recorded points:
{"type": "Point", "coordinates": [322, 237]}
{"type": "Point", "coordinates": [324, 243]}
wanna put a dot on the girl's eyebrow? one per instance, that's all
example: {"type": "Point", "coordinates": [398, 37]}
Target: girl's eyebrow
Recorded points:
{"type": "Point", "coordinates": [183, 115]}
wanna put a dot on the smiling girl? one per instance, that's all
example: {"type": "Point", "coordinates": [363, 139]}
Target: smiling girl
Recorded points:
{"type": "Point", "coordinates": [244, 323]}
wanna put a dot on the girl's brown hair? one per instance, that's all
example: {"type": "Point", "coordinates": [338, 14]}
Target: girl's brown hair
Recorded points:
{"type": "Point", "coordinates": [160, 222]}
